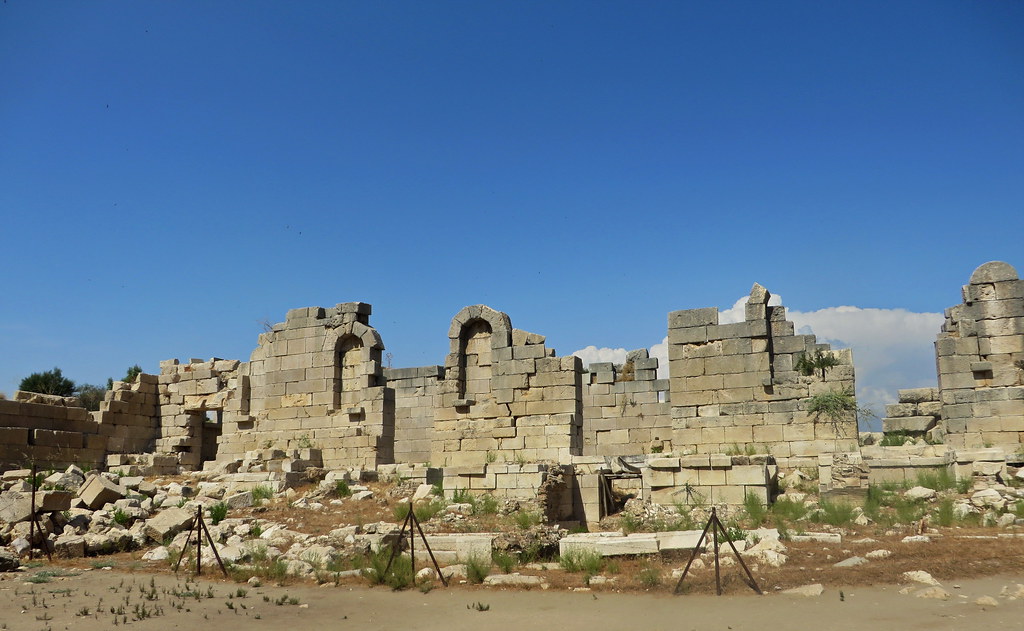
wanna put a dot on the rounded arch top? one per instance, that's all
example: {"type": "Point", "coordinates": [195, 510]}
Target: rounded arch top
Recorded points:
{"type": "Point", "coordinates": [500, 323]}
{"type": "Point", "coordinates": [367, 335]}
{"type": "Point", "coordinates": [993, 272]}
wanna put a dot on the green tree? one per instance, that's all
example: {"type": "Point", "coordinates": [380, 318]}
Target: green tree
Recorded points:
{"type": "Point", "coordinates": [132, 373]}
{"type": "Point", "coordinates": [129, 376]}
{"type": "Point", "coordinates": [91, 396]}
{"type": "Point", "coordinates": [49, 382]}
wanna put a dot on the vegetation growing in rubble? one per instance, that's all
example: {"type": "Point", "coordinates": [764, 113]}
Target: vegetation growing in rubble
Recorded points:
{"type": "Point", "coordinates": [808, 364]}
{"type": "Point", "coordinates": [833, 407]}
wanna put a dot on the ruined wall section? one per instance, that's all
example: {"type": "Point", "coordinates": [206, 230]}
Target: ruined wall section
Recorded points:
{"type": "Point", "coordinates": [129, 415]}
{"type": "Point", "coordinates": [48, 431]}
{"type": "Point", "coordinates": [200, 403]}
{"type": "Point", "coordinates": [316, 381]}
{"type": "Point", "coordinates": [917, 414]}
{"type": "Point", "coordinates": [417, 393]}
{"type": "Point", "coordinates": [735, 385]}
{"type": "Point", "coordinates": [980, 360]}
{"type": "Point", "coordinates": [626, 410]}
{"type": "Point", "coordinates": [505, 396]}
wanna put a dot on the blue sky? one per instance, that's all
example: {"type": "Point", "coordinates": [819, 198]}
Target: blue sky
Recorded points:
{"type": "Point", "coordinates": [174, 174]}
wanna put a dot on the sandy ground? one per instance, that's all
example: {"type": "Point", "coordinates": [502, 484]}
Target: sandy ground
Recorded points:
{"type": "Point", "coordinates": [84, 602]}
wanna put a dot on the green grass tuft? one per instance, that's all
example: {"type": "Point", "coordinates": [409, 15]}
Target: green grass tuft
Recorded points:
{"type": "Point", "coordinates": [477, 569]}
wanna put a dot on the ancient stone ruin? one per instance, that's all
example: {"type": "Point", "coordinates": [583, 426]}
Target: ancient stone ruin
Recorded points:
{"type": "Point", "coordinates": [504, 413]}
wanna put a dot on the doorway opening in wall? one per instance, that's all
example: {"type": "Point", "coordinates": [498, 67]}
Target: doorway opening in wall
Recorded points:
{"type": "Point", "coordinates": [212, 428]}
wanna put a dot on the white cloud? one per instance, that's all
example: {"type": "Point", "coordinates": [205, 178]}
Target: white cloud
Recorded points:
{"type": "Point", "coordinates": [892, 348]}
{"type": "Point", "coordinates": [594, 355]}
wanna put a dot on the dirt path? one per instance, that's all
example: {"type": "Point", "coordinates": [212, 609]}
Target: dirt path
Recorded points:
{"type": "Point", "coordinates": [74, 602]}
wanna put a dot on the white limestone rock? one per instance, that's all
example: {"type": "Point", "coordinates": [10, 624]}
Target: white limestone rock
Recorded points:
{"type": "Point", "coordinates": [159, 553]}
{"type": "Point", "coordinates": [516, 579]}
{"type": "Point", "coordinates": [851, 562]}
{"type": "Point", "coordinates": [807, 591]}
{"type": "Point", "coordinates": [920, 493]}
{"type": "Point", "coordinates": [919, 576]}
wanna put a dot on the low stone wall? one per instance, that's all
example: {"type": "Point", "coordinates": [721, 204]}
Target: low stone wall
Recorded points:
{"type": "Point", "coordinates": [48, 431]}
{"type": "Point", "coordinates": [899, 465]}
{"type": "Point", "coordinates": [551, 485]}
{"type": "Point", "coordinates": [709, 479]}
{"type": "Point", "coordinates": [918, 414]}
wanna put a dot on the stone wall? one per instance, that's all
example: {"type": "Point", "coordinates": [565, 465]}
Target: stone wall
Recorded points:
{"type": "Point", "coordinates": [704, 480]}
{"type": "Point", "coordinates": [129, 415]}
{"type": "Point", "coordinates": [316, 380]}
{"type": "Point", "coordinates": [626, 409]}
{"type": "Point", "coordinates": [736, 386]}
{"type": "Point", "coordinates": [505, 396]}
{"type": "Point", "coordinates": [48, 431]}
{"type": "Point", "coordinates": [918, 414]}
{"type": "Point", "coordinates": [198, 400]}
{"type": "Point", "coordinates": [980, 357]}
{"type": "Point", "coordinates": [417, 393]}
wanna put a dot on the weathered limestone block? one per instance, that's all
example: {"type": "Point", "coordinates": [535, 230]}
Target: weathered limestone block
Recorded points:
{"type": "Point", "coordinates": [168, 523]}
{"type": "Point", "coordinates": [910, 424]}
{"type": "Point", "coordinates": [98, 491]}
{"type": "Point", "coordinates": [610, 544]}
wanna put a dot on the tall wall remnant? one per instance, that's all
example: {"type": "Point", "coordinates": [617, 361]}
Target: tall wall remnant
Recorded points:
{"type": "Point", "coordinates": [980, 361]}
{"type": "Point", "coordinates": [737, 384]}
{"type": "Point", "coordinates": [505, 395]}
{"type": "Point", "coordinates": [315, 379]}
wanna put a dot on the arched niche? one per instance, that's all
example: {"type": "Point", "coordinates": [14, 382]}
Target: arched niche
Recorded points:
{"type": "Point", "coordinates": [353, 352]}
{"type": "Point", "coordinates": [475, 359]}
{"type": "Point", "coordinates": [476, 335]}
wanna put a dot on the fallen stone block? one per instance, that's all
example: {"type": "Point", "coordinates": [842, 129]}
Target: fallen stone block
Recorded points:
{"type": "Point", "coordinates": [513, 579]}
{"type": "Point", "coordinates": [920, 493]}
{"type": "Point", "coordinates": [610, 544]}
{"type": "Point", "coordinates": [15, 507]}
{"type": "Point", "coordinates": [168, 523]}
{"type": "Point", "coordinates": [69, 546]}
{"type": "Point", "coordinates": [819, 537]}
{"type": "Point", "coordinates": [98, 491]}
{"type": "Point", "coordinates": [239, 500]}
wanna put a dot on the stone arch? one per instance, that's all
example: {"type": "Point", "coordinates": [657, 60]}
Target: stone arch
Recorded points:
{"type": "Point", "coordinates": [476, 334]}
{"type": "Point", "coordinates": [475, 359]}
{"type": "Point", "coordinates": [353, 360]}
{"type": "Point", "coordinates": [348, 366]}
